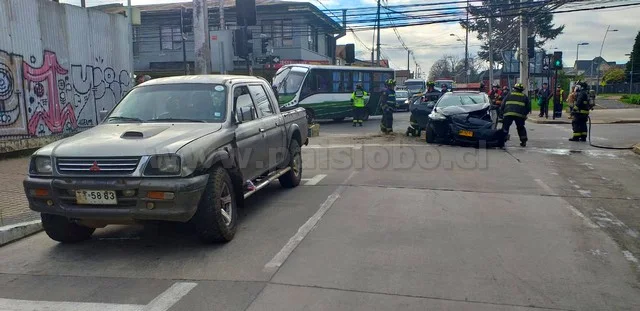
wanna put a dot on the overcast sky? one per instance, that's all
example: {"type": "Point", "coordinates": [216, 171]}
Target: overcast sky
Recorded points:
{"type": "Point", "coordinates": [430, 42]}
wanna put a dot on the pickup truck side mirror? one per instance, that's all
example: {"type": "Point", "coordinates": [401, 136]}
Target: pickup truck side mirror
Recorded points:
{"type": "Point", "coordinates": [102, 114]}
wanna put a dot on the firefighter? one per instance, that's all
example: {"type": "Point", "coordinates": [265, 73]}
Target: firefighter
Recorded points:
{"type": "Point", "coordinates": [580, 113]}
{"type": "Point", "coordinates": [358, 100]}
{"type": "Point", "coordinates": [515, 108]}
{"type": "Point", "coordinates": [387, 104]}
{"type": "Point", "coordinates": [431, 87]}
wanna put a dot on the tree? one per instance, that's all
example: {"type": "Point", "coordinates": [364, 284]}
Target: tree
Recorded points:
{"type": "Point", "coordinates": [506, 31]}
{"type": "Point", "coordinates": [444, 67]}
{"type": "Point", "coordinates": [635, 57]}
{"type": "Point", "coordinates": [614, 75]}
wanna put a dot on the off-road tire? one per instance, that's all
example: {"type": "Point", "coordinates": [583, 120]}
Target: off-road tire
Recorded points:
{"type": "Point", "coordinates": [291, 179]}
{"type": "Point", "coordinates": [63, 230]}
{"type": "Point", "coordinates": [209, 222]}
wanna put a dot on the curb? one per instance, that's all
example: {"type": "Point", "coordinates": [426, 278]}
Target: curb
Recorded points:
{"type": "Point", "coordinates": [18, 231]}
{"type": "Point", "coordinates": [623, 121]}
{"type": "Point", "coordinates": [636, 148]}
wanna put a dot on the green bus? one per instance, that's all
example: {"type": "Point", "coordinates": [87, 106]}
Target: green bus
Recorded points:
{"type": "Point", "coordinates": [325, 90]}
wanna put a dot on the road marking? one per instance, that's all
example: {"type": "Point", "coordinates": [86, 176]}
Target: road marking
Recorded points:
{"type": "Point", "coordinates": [574, 210]}
{"type": "Point", "coordinates": [295, 240]}
{"type": "Point", "coordinates": [315, 180]}
{"type": "Point", "coordinates": [163, 302]}
{"type": "Point", "coordinates": [170, 297]}
{"type": "Point", "coordinates": [359, 146]}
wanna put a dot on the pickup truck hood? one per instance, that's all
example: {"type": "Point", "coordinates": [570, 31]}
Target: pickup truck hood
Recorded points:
{"type": "Point", "coordinates": [130, 139]}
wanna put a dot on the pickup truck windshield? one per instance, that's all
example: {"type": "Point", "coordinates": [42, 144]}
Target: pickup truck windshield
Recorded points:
{"type": "Point", "coordinates": [187, 102]}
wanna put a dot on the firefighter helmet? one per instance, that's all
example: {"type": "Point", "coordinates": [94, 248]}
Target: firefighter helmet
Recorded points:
{"type": "Point", "coordinates": [518, 87]}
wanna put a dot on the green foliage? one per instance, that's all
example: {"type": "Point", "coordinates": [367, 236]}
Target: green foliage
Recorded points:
{"type": "Point", "coordinates": [614, 75]}
{"type": "Point", "coordinates": [505, 29]}
{"type": "Point", "coordinates": [631, 99]}
{"type": "Point", "coordinates": [635, 56]}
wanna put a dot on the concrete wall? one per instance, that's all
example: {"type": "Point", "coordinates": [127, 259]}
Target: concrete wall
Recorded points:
{"type": "Point", "coordinates": [59, 66]}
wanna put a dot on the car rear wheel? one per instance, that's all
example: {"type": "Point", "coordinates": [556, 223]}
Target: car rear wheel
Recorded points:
{"type": "Point", "coordinates": [292, 178]}
{"type": "Point", "coordinates": [216, 217]}
{"type": "Point", "coordinates": [64, 230]}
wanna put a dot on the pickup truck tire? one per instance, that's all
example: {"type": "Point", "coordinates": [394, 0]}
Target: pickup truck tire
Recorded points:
{"type": "Point", "coordinates": [217, 214]}
{"type": "Point", "coordinates": [63, 230]}
{"type": "Point", "coordinates": [291, 179]}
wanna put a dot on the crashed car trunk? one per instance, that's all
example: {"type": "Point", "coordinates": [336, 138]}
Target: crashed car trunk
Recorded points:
{"type": "Point", "coordinates": [465, 124]}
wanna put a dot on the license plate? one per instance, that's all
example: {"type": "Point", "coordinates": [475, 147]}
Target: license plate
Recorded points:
{"type": "Point", "coordinates": [465, 133]}
{"type": "Point", "coordinates": [96, 197]}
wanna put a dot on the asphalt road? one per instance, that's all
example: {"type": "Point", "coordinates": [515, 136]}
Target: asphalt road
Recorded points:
{"type": "Point", "coordinates": [379, 223]}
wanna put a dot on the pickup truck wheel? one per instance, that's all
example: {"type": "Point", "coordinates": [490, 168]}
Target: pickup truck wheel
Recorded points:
{"type": "Point", "coordinates": [63, 230]}
{"type": "Point", "coordinates": [216, 217]}
{"type": "Point", "coordinates": [292, 178]}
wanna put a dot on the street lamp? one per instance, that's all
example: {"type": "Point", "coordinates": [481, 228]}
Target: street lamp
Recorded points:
{"type": "Point", "coordinates": [578, 49]}
{"type": "Point", "coordinates": [630, 73]}
{"type": "Point", "coordinates": [601, 47]}
{"type": "Point", "coordinates": [466, 55]}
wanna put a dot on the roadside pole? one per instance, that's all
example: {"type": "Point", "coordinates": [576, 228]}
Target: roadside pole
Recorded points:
{"type": "Point", "coordinates": [130, 26]}
{"type": "Point", "coordinates": [201, 36]}
{"type": "Point", "coordinates": [524, 56]}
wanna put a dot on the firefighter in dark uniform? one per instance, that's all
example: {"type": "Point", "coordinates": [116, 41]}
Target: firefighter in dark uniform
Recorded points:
{"type": "Point", "coordinates": [387, 104]}
{"type": "Point", "coordinates": [515, 108]}
{"type": "Point", "coordinates": [358, 100]}
{"type": "Point", "coordinates": [580, 113]}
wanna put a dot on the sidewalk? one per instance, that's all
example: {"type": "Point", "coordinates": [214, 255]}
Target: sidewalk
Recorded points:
{"type": "Point", "coordinates": [598, 116]}
{"type": "Point", "coordinates": [13, 206]}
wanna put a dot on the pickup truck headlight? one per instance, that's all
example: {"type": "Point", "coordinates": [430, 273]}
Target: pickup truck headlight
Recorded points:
{"type": "Point", "coordinates": [41, 165]}
{"type": "Point", "coordinates": [168, 164]}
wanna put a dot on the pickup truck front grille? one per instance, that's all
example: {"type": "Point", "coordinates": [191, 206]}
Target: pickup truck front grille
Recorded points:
{"type": "Point", "coordinates": [97, 166]}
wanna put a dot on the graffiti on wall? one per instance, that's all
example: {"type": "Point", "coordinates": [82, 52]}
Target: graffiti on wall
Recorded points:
{"type": "Point", "coordinates": [45, 98]}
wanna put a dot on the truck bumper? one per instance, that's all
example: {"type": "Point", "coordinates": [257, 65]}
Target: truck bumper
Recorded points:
{"type": "Point", "coordinates": [137, 198]}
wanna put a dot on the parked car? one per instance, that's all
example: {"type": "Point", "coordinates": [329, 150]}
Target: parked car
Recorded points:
{"type": "Point", "coordinates": [180, 149]}
{"type": "Point", "coordinates": [464, 118]}
{"type": "Point", "coordinates": [402, 100]}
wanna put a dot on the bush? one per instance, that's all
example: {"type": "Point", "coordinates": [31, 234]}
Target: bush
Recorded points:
{"type": "Point", "coordinates": [631, 99]}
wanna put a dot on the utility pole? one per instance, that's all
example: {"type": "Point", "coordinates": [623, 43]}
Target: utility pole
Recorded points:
{"type": "Point", "coordinates": [130, 26]}
{"type": "Point", "coordinates": [378, 44]}
{"type": "Point", "coordinates": [221, 13]}
{"type": "Point", "coordinates": [490, 50]}
{"type": "Point", "coordinates": [524, 55]}
{"type": "Point", "coordinates": [466, 47]}
{"type": "Point", "coordinates": [83, 3]}
{"type": "Point", "coordinates": [201, 37]}
{"type": "Point", "coordinates": [408, 59]}
{"type": "Point", "coordinates": [184, 41]}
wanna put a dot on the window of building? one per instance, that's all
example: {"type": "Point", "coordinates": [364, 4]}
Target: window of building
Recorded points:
{"type": "Point", "coordinates": [170, 37]}
{"type": "Point", "coordinates": [287, 33]}
{"type": "Point", "coordinates": [312, 38]}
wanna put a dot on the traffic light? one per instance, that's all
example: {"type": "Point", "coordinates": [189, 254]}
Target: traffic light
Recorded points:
{"type": "Point", "coordinates": [265, 45]}
{"type": "Point", "coordinates": [243, 42]}
{"type": "Point", "coordinates": [557, 60]}
{"type": "Point", "coordinates": [249, 37]}
{"type": "Point", "coordinates": [531, 45]}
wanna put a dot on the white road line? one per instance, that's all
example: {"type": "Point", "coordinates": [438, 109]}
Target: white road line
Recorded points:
{"type": "Point", "coordinates": [315, 180]}
{"type": "Point", "coordinates": [170, 297]}
{"type": "Point", "coordinates": [163, 302]}
{"type": "Point", "coordinates": [295, 240]}
{"type": "Point", "coordinates": [574, 210]}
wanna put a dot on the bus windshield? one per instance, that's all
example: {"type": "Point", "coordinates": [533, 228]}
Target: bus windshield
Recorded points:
{"type": "Point", "coordinates": [415, 87]}
{"type": "Point", "coordinates": [288, 82]}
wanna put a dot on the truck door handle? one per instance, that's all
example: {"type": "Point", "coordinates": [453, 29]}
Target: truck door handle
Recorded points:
{"type": "Point", "coordinates": [261, 130]}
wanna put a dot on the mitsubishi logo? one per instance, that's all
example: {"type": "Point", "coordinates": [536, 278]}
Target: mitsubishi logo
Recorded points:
{"type": "Point", "coordinates": [94, 167]}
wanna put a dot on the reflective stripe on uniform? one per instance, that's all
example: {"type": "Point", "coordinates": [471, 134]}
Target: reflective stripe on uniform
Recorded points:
{"type": "Point", "coordinates": [577, 134]}
{"type": "Point", "coordinates": [514, 114]}
{"type": "Point", "coordinates": [515, 103]}
{"type": "Point", "coordinates": [584, 111]}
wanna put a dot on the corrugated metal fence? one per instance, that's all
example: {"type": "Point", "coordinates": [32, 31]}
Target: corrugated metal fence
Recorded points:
{"type": "Point", "coordinates": [59, 66]}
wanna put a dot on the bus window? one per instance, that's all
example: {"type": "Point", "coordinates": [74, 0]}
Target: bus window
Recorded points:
{"type": "Point", "coordinates": [366, 81]}
{"type": "Point", "coordinates": [347, 82]}
{"type": "Point", "coordinates": [336, 81]}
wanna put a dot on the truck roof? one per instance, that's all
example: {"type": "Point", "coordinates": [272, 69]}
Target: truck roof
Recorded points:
{"type": "Point", "coordinates": [213, 79]}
